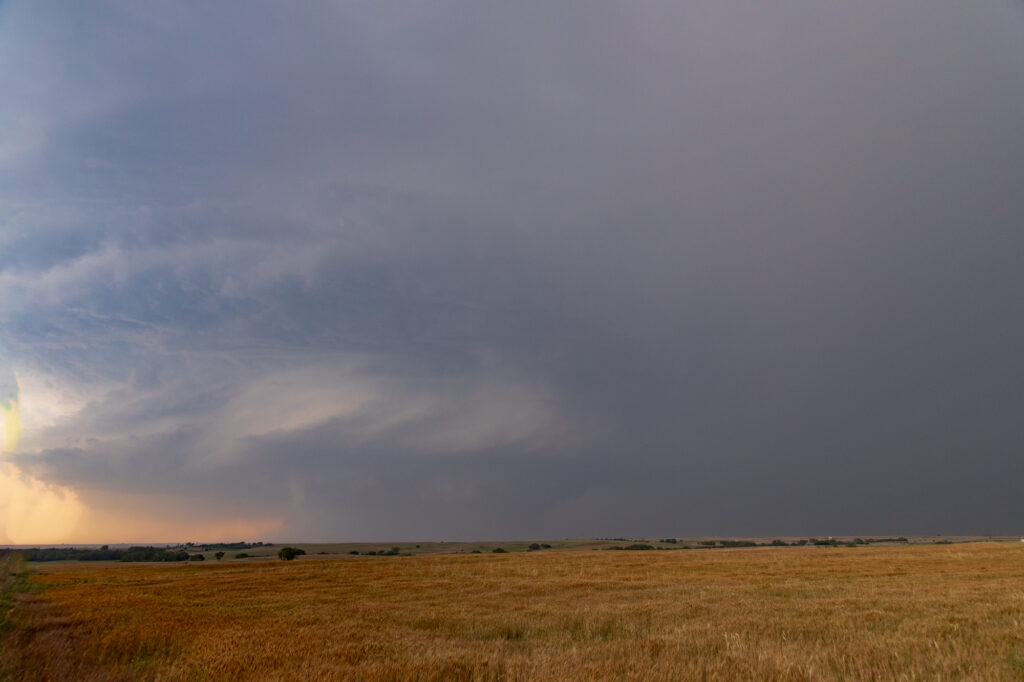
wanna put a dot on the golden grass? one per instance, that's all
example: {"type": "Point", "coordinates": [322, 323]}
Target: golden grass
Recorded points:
{"type": "Point", "coordinates": [812, 613]}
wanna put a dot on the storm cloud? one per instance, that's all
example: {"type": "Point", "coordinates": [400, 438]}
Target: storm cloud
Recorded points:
{"type": "Point", "coordinates": [462, 270]}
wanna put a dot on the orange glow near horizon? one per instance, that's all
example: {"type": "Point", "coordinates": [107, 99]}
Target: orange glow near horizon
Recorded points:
{"type": "Point", "coordinates": [114, 528]}
{"type": "Point", "coordinates": [31, 511]}
{"type": "Point", "coordinates": [34, 512]}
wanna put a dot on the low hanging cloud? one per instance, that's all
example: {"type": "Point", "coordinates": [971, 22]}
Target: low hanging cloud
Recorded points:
{"type": "Point", "coordinates": [446, 414]}
{"type": "Point", "coordinates": [275, 434]}
{"type": "Point", "coordinates": [449, 271]}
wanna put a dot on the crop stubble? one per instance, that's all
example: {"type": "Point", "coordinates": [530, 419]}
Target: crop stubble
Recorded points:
{"type": "Point", "coordinates": [809, 613]}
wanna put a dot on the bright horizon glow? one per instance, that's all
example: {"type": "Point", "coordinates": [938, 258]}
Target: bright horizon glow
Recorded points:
{"type": "Point", "coordinates": [31, 510]}
{"type": "Point", "coordinates": [100, 527]}
{"type": "Point", "coordinates": [34, 512]}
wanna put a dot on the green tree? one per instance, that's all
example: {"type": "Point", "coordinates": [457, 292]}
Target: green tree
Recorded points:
{"type": "Point", "coordinates": [289, 553]}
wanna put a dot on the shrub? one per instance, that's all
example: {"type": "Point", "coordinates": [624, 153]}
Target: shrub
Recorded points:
{"type": "Point", "coordinates": [219, 556]}
{"type": "Point", "coordinates": [534, 547]}
{"type": "Point", "coordinates": [289, 553]}
{"type": "Point", "coordinates": [197, 557]}
{"type": "Point", "coordinates": [545, 545]}
{"type": "Point", "coordinates": [241, 555]}
{"type": "Point", "coordinates": [498, 550]}
{"type": "Point", "coordinates": [354, 551]}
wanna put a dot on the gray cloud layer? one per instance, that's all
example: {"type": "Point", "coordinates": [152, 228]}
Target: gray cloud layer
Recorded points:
{"type": "Point", "coordinates": [457, 270]}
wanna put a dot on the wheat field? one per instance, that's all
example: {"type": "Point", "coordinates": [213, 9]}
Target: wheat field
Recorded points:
{"type": "Point", "coordinates": [793, 613]}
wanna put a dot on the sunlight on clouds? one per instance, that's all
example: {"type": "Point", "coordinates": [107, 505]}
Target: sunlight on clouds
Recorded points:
{"type": "Point", "coordinates": [46, 402]}
{"type": "Point", "coordinates": [31, 511]}
{"type": "Point", "coordinates": [487, 409]}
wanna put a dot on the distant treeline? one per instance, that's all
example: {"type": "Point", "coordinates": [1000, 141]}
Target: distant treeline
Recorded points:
{"type": "Point", "coordinates": [105, 554]}
{"type": "Point", "coordinates": [207, 547]}
{"type": "Point", "coordinates": [711, 544]}
{"type": "Point", "coordinates": [137, 553]}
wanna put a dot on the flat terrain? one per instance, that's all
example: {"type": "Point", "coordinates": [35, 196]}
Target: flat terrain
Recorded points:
{"type": "Point", "coordinates": [787, 613]}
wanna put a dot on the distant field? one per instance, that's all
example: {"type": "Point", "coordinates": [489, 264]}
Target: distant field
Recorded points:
{"type": "Point", "coordinates": [268, 551]}
{"type": "Point", "coordinates": [788, 613]}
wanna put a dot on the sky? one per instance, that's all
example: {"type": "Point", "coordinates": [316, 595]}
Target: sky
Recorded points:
{"type": "Point", "coordinates": [460, 270]}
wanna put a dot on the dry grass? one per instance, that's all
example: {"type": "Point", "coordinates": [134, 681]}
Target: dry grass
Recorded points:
{"type": "Point", "coordinates": [938, 612]}
{"type": "Point", "coordinates": [12, 577]}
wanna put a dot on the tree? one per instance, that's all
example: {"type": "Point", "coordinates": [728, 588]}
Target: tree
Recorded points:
{"type": "Point", "coordinates": [219, 555]}
{"type": "Point", "coordinates": [289, 553]}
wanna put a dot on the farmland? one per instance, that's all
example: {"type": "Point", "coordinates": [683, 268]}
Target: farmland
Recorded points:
{"type": "Point", "coordinates": [784, 613]}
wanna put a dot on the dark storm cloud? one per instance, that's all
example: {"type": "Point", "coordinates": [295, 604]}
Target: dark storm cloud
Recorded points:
{"type": "Point", "coordinates": [461, 270]}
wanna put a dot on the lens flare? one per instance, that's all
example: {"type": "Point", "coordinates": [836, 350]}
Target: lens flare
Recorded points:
{"type": "Point", "coordinates": [11, 424]}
